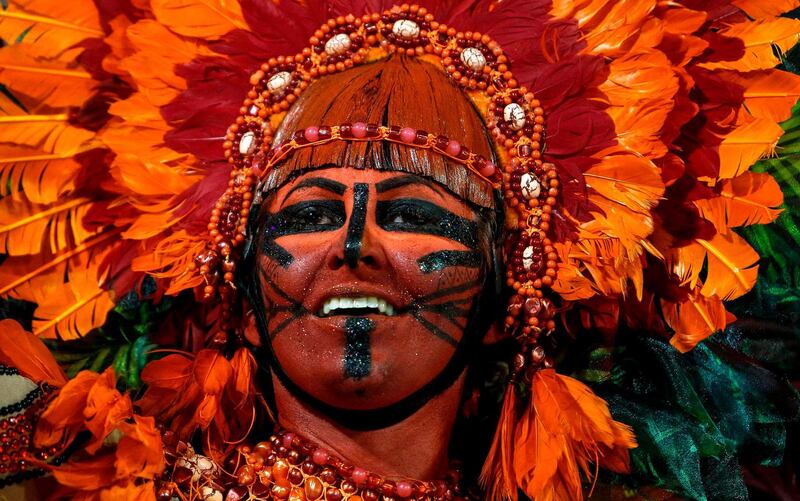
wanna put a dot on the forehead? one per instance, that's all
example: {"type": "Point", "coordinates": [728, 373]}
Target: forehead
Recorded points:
{"type": "Point", "coordinates": [381, 179]}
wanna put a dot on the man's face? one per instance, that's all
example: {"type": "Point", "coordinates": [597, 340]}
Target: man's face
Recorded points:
{"type": "Point", "coordinates": [368, 278]}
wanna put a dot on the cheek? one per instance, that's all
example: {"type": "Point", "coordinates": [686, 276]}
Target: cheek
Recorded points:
{"type": "Point", "coordinates": [308, 252]}
{"type": "Point", "coordinates": [430, 263]}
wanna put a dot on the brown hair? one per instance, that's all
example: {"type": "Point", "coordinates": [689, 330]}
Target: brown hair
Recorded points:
{"type": "Point", "coordinates": [396, 91]}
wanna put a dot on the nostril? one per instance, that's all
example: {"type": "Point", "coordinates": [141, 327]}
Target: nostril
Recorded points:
{"type": "Point", "coordinates": [335, 262]}
{"type": "Point", "coordinates": [369, 260]}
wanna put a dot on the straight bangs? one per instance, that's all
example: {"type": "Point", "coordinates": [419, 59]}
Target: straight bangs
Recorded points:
{"type": "Point", "coordinates": [396, 91]}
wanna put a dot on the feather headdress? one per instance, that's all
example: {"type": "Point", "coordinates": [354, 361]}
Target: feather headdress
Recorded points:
{"type": "Point", "coordinates": [114, 115]}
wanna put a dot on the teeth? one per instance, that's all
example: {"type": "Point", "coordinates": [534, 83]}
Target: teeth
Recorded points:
{"type": "Point", "coordinates": [370, 302]}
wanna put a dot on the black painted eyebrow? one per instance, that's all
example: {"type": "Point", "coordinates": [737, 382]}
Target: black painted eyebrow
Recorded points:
{"type": "Point", "coordinates": [320, 182]}
{"type": "Point", "coordinates": [405, 180]}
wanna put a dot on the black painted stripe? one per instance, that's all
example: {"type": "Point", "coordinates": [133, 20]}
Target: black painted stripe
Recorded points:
{"type": "Point", "coordinates": [358, 220]}
{"type": "Point", "coordinates": [439, 260]}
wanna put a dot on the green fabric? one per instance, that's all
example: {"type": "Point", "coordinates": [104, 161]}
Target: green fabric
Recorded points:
{"type": "Point", "coordinates": [697, 416]}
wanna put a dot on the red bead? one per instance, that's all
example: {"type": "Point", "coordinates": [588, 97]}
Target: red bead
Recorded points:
{"type": "Point", "coordinates": [359, 476]}
{"type": "Point", "coordinates": [359, 130]}
{"type": "Point", "coordinates": [320, 457]}
{"type": "Point", "coordinates": [311, 134]}
{"type": "Point", "coordinates": [404, 489]}
{"type": "Point", "coordinates": [453, 148]}
{"type": "Point", "coordinates": [487, 169]}
{"type": "Point", "coordinates": [407, 135]}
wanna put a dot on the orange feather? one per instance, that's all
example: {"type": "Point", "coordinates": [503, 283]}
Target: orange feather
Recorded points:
{"type": "Point", "coordinates": [147, 60]}
{"type": "Point", "coordinates": [627, 180]}
{"type": "Point", "coordinates": [49, 132]}
{"type": "Point", "coordinates": [640, 90]}
{"type": "Point", "coordinates": [63, 418]}
{"type": "Point", "coordinates": [68, 310]}
{"type": "Point", "coordinates": [51, 24]}
{"type": "Point", "coordinates": [497, 475]}
{"type": "Point", "coordinates": [750, 198]}
{"type": "Point", "coordinates": [106, 408]}
{"type": "Point", "coordinates": [28, 354]}
{"type": "Point", "coordinates": [759, 9]}
{"type": "Point", "coordinates": [610, 27]}
{"type": "Point", "coordinates": [207, 19]}
{"type": "Point", "coordinates": [565, 429]}
{"type": "Point", "coordinates": [769, 94]}
{"type": "Point", "coordinates": [746, 144]}
{"type": "Point", "coordinates": [27, 228]}
{"type": "Point", "coordinates": [17, 271]}
{"type": "Point", "coordinates": [87, 474]}
{"type": "Point", "coordinates": [34, 79]}
{"type": "Point", "coordinates": [570, 283]}
{"type": "Point", "coordinates": [760, 39]}
{"type": "Point", "coordinates": [726, 265]}
{"type": "Point", "coordinates": [694, 319]}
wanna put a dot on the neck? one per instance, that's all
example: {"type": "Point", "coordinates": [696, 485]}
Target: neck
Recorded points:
{"type": "Point", "coordinates": [415, 448]}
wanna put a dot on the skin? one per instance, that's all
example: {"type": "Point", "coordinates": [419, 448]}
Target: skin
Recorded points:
{"type": "Point", "coordinates": [404, 239]}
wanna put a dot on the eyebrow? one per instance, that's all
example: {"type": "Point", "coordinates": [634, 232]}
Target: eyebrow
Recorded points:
{"type": "Point", "coordinates": [319, 182]}
{"type": "Point", "coordinates": [405, 180]}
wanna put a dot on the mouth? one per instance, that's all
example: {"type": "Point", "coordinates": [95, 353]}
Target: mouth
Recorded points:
{"type": "Point", "coordinates": [355, 306]}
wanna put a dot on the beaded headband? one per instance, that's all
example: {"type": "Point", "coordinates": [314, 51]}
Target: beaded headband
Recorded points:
{"type": "Point", "coordinates": [477, 65]}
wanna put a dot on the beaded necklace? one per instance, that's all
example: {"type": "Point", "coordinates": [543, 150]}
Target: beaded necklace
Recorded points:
{"type": "Point", "coordinates": [290, 467]}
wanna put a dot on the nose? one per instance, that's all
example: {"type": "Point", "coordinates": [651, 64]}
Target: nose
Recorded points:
{"type": "Point", "coordinates": [361, 246]}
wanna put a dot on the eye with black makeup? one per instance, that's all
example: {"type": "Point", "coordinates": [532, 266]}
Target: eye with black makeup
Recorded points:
{"type": "Point", "coordinates": [310, 216]}
{"type": "Point", "coordinates": [413, 215]}
{"type": "Point", "coordinates": [407, 214]}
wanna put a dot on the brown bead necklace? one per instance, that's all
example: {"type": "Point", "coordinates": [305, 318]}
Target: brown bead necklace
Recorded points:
{"type": "Point", "coordinates": [293, 468]}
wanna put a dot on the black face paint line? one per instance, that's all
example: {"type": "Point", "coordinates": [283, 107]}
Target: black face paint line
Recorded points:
{"type": "Point", "coordinates": [439, 260]}
{"type": "Point", "coordinates": [357, 358]}
{"type": "Point", "coordinates": [304, 217]}
{"type": "Point", "coordinates": [412, 215]}
{"type": "Point", "coordinates": [358, 220]}
{"type": "Point", "coordinates": [294, 307]}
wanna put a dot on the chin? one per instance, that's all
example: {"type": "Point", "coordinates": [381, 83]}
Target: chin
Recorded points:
{"type": "Point", "coordinates": [379, 389]}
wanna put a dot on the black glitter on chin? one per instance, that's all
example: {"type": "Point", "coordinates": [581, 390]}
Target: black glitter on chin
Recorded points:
{"type": "Point", "coordinates": [357, 356]}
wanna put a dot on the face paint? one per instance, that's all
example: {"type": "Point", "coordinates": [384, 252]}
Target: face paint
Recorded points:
{"type": "Point", "coordinates": [439, 260]}
{"type": "Point", "coordinates": [419, 216]}
{"type": "Point", "coordinates": [291, 305]}
{"type": "Point", "coordinates": [371, 312]}
{"type": "Point", "coordinates": [357, 358]}
{"type": "Point", "coordinates": [303, 217]}
{"type": "Point", "coordinates": [355, 230]}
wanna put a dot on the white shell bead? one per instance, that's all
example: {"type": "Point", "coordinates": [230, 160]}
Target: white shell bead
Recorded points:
{"type": "Point", "coordinates": [247, 144]}
{"type": "Point", "coordinates": [405, 28]}
{"type": "Point", "coordinates": [527, 258]}
{"type": "Point", "coordinates": [514, 116]}
{"type": "Point", "coordinates": [530, 186]}
{"type": "Point", "coordinates": [337, 44]}
{"type": "Point", "coordinates": [279, 81]}
{"type": "Point", "coordinates": [473, 58]}
{"type": "Point", "coordinates": [210, 494]}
